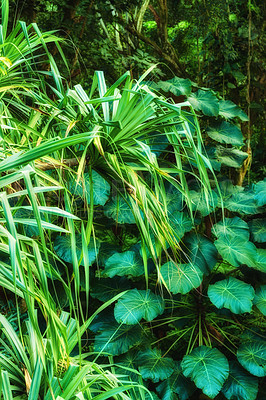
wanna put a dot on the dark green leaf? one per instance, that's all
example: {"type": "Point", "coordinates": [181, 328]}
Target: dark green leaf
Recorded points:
{"type": "Point", "coordinates": [101, 188]}
{"type": "Point", "coordinates": [237, 251]}
{"type": "Point", "coordinates": [119, 210]}
{"type": "Point", "coordinates": [105, 289]}
{"type": "Point", "coordinates": [231, 227]}
{"type": "Point", "coordinates": [205, 101]}
{"type": "Point", "coordinates": [208, 368]}
{"type": "Point", "coordinates": [181, 223]}
{"type": "Point", "coordinates": [202, 204]}
{"type": "Point", "coordinates": [233, 294]}
{"type": "Point", "coordinates": [261, 260]}
{"type": "Point", "coordinates": [243, 203]}
{"type": "Point", "coordinates": [260, 299]}
{"type": "Point", "coordinates": [252, 356]}
{"type": "Point", "coordinates": [62, 246]}
{"type": "Point", "coordinates": [258, 230]}
{"type": "Point", "coordinates": [137, 304]}
{"type": "Point", "coordinates": [260, 192]}
{"type": "Point", "coordinates": [153, 366]}
{"type": "Point", "coordinates": [181, 278]}
{"type": "Point", "coordinates": [230, 156]}
{"type": "Point", "coordinates": [229, 110]}
{"type": "Point", "coordinates": [240, 384]}
{"type": "Point", "coordinates": [226, 133]}
{"type": "Point", "coordinates": [127, 263]}
{"type": "Point", "coordinates": [201, 251]}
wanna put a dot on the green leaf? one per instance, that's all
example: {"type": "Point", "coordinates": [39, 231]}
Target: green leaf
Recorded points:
{"type": "Point", "coordinates": [208, 368]}
{"type": "Point", "coordinates": [127, 263]}
{"type": "Point", "coordinates": [181, 223]}
{"type": "Point", "coordinates": [237, 251]}
{"type": "Point", "coordinates": [205, 101]}
{"type": "Point", "coordinates": [258, 230]}
{"type": "Point", "coordinates": [226, 133]}
{"type": "Point", "coordinates": [229, 110]}
{"type": "Point", "coordinates": [240, 384]}
{"type": "Point", "coordinates": [181, 278]}
{"type": "Point", "coordinates": [242, 202]}
{"type": "Point", "coordinates": [137, 304]}
{"type": "Point", "coordinates": [119, 210]}
{"type": "Point", "coordinates": [177, 86]}
{"type": "Point", "coordinates": [261, 260]}
{"type": "Point", "coordinates": [230, 156]}
{"type": "Point", "coordinates": [231, 227]}
{"type": "Point", "coordinates": [177, 383]}
{"type": "Point", "coordinates": [202, 204]}
{"type": "Point", "coordinates": [153, 366]}
{"type": "Point", "coordinates": [117, 339]}
{"type": "Point", "coordinates": [201, 251]}
{"type": "Point", "coordinates": [260, 299]}
{"type": "Point", "coordinates": [62, 247]}
{"type": "Point", "coordinates": [105, 289]}
{"type": "Point", "coordinates": [101, 188]}
{"type": "Point", "coordinates": [260, 192]}
{"type": "Point", "coordinates": [233, 294]}
{"type": "Point", "coordinates": [252, 356]}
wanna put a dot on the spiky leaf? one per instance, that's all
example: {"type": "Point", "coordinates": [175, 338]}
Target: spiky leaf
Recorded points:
{"type": "Point", "coordinates": [181, 278]}
{"type": "Point", "coordinates": [252, 356]}
{"type": "Point", "coordinates": [208, 368]}
{"type": "Point", "coordinates": [226, 133]}
{"type": "Point", "coordinates": [240, 384]}
{"type": "Point", "coordinates": [260, 299]}
{"type": "Point", "coordinates": [137, 304]}
{"type": "Point", "coordinates": [153, 366]}
{"type": "Point", "coordinates": [233, 294]}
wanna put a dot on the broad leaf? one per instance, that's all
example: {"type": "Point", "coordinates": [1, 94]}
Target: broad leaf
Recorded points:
{"type": "Point", "coordinates": [233, 294]}
{"type": "Point", "coordinates": [231, 227]}
{"type": "Point", "coordinates": [127, 263]}
{"type": "Point", "coordinates": [208, 368]}
{"type": "Point", "coordinates": [116, 338]}
{"type": "Point", "coordinates": [237, 251]}
{"type": "Point", "coordinates": [226, 133]}
{"type": "Point", "coordinates": [260, 299]}
{"type": "Point", "coordinates": [105, 289]}
{"type": "Point", "coordinates": [201, 251]}
{"type": "Point", "coordinates": [202, 204]}
{"type": "Point", "coordinates": [153, 366]}
{"type": "Point", "coordinates": [101, 188]}
{"type": "Point", "coordinates": [177, 86]}
{"type": "Point", "coordinates": [252, 356]}
{"type": "Point", "coordinates": [258, 230]}
{"type": "Point", "coordinates": [62, 247]}
{"type": "Point", "coordinates": [260, 193]}
{"type": "Point", "coordinates": [229, 110]}
{"type": "Point", "coordinates": [181, 278]}
{"type": "Point", "coordinates": [205, 101]}
{"type": "Point", "coordinates": [228, 189]}
{"type": "Point", "coordinates": [261, 260]}
{"type": "Point", "coordinates": [181, 223]}
{"type": "Point", "coordinates": [177, 383]}
{"type": "Point", "coordinates": [243, 203]}
{"type": "Point", "coordinates": [119, 210]}
{"type": "Point", "coordinates": [230, 156]}
{"type": "Point", "coordinates": [240, 384]}
{"type": "Point", "coordinates": [137, 304]}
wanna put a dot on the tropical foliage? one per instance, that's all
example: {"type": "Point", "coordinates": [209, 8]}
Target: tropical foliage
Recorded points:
{"type": "Point", "coordinates": [132, 266]}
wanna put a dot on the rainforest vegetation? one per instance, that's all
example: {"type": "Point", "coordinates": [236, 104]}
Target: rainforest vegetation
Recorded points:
{"type": "Point", "coordinates": [132, 200]}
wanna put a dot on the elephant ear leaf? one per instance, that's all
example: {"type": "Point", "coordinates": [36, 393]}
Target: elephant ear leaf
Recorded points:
{"type": "Point", "coordinates": [177, 86]}
{"type": "Point", "coordinates": [231, 227]}
{"type": "Point", "coordinates": [258, 230]}
{"type": "Point", "coordinates": [240, 384]}
{"type": "Point", "coordinates": [100, 188]}
{"type": "Point", "coordinates": [226, 133]}
{"type": "Point", "coordinates": [237, 251]}
{"type": "Point", "coordinates": [62, 246]}
{"type": "Point", "coordinates": [260, 193]}
{"type": "Point", "coordinates": [119, 210]}
{"type": "Point", "coordinates": [201, 252]}
{"type": "Point", "coordinates": [233, 294]}
{"type": "Point", "coordinates": [208, 368]}
{"type": "Point", "coordinates": [181, 278]}
{"type": "Point", "coordinates": [153, 366]}
{"type": "Point", "coordinates": [137, 304]}
{"type": "Point", "coordinates": [252, 356]}
{"type": "Point", "coordinates": [205, 101]}
{"type": "Point", "coordinates": [260, 299]}
{"type": "Point", "coordinates": [126, 263]}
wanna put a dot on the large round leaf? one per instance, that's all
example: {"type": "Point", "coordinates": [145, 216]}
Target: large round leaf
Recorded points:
{"type": "Point", "coordinates": [177, 383]}
{"type": "Point", "coordinates": [202, 204]}
{"type": "Point", "coordinates": [181, 278]}
{"type": "Point", "coordinates": [261, 260]}
{"type": "Point", "coordinates": [137, 304]}
{"type": "Point", "coordinates": [117, 339]}
{"type": "Point", "coordinates": [177, 86]}
{"type": "Point", "coordinates": [119, 210]}
{"type": "Point", "coordinates": [226, 133]}
{"type": "Point", "coordinates": [101, 188]}
{"type": "Point", "coordinates": [252, 356]}
{"type": "Point", "coordinates": [242, 203]}
{"type": "Point", "coordinates": [237, 251]}
{"type": "Point", "coordinates": [181, 223]}
{"type": "Point", "coordinates": [231, 227]}
{"type": "Point", "coordinates": [230, 156]}
{"type": "Point", "coordinates": [260, 299]}
{"type": "Point", "coordinates": [260, 192]}
{"type": "Point", "coordinates": [233, 294]}
{"type": "Point", "coordinates": [62, 246]}
{"type": "Point", "coordinates": [205, 101]}
{"type": "Point", "coordinates": [258, 230]}
{"type": "Point", "coordinates": [240, 384]}
{"type": "Point", "coordinates": [127, 263]}
{"type": "Point", "coordinates": [229, 110]}
{"type": "Point", "coordinates": [153, 366]}
{"type": "Point", "coordinates": [208, 368]}
{"type": "Point", "coordinates": [201, 251]}
{"type": "Point", "coordinates": [105, 289]}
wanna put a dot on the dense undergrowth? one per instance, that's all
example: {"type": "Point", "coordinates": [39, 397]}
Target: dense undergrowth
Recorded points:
{"type": "Point", "coordinates": [131, 265]}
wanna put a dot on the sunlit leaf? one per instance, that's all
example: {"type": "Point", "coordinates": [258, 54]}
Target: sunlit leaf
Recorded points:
{"type": "Point", "coordinates": [237, 251]}
{"type": "Point", "coordinates": [231, 227]}
{"type": "Point", "coordinates": [127, 263]}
